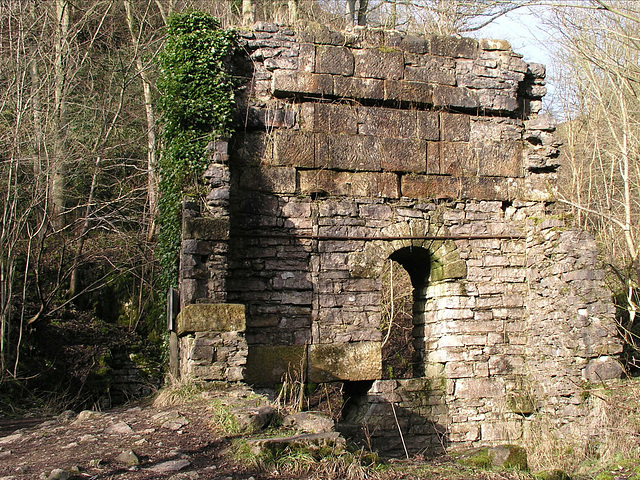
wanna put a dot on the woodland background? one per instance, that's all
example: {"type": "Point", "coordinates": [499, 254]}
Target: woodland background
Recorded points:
{"type": "Point", "coordinates": [80, 140]}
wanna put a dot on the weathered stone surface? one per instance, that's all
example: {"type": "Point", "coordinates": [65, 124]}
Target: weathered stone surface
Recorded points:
{"type": "Point", "coordinates": [332, 118]}
{"type": "Point", "coordinates": [500, 456]}
{"type": "Point", "coordinates": [274, 179]}
{"type": "Point", "coordinates": [428, 125]}
{"type": "Point", "coordinates": [426, 152]}
{"type": "Point", "coordinates": [456, 158]}
{"type": "Point", "coordinates": [334, 60]}
{"type": "Point", "coordinates": [287, 82]}
{"type": "Point", "coordinates": [602, 369]}
{"type": "Point", "coordinates": [266, 365]}
{"type": "Point", "coordinates": [203, 228]}
{"type": "Point", "coordinates": [455, 127]}
{"type": "Point", "coordinates": [447, 96]}
{"type": "Point", "coordinates": [453, 46]}
{"type": "Point", "coordinates": [294, 149]}
{"type": "Point", "coordinates": [404, 91]}
{"type": "Point", "coordinates": [348, 152]}
{"type": "Point", "coordinates": [309, 422]}
{"type": "Point", "coordinates": [402, 155]}
{"type": "Point", "coordinates": [363, 184]}
{"type": "Point", "coordinates": [377, 63]}
{"type": "Point", "coordinates": [217, 317]}
{"type": "Point", "coordinates": [432, 72]}
{"type": "Point", "coordinates": [254, 419]}
{"type": "Point", "coordinates": [351, 361]}
{"type": "Point", "coordinates": [387, 122]}
{"type": "Point", "coordinates": [358, 88]}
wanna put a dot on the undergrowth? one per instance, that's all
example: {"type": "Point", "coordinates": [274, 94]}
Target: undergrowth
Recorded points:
{"type": "Point", "coordinates": [607, 440]}
{"type": "Point", "coordinates": [309, 461]}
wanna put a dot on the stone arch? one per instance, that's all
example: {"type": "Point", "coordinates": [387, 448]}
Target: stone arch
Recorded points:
{"type": "Point", "coordinates": [434, 264]}
{"type": "Point", "coordinates": [446, 263]}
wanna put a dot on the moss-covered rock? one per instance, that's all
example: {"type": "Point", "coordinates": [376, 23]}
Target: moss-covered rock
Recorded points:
{"type": "Point", "coordinates": [501, 456]}
{"type": "Point", "coordinates": [211, 317]}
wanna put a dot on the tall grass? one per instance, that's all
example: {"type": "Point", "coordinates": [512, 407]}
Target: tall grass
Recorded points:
{"type": "Point", "coordinates": [610, 434]}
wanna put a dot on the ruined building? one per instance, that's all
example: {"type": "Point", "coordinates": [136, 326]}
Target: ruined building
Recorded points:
{"type": "Point", "coordinates": [356, 150]}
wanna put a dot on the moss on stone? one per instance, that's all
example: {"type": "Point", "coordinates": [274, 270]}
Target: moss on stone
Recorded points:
{"type": "Point", "coordinates": [267, 364]}
{"type": "Point", "coordinates": [521, 404]}
{"type": "Point", "coordinates": [551, 475]}
{"type": "Point", "coordinates": [211, 317]}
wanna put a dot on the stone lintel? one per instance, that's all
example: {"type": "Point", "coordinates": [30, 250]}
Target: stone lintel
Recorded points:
{"type": "Point", "coordinates": [266, 365]}
{"type": "Point", "coordinates": [211, 317]}
{"type": "Point", "coordinates": [348, 361]}
{"type": "Point", "coordinates": [360, 184]}
{"type": "Point", "coordinates": [455, 187]}
{"type": "Point", "coordinates": [205, 228]}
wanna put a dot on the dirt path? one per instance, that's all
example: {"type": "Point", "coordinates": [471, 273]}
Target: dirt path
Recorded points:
{"type": "Point", "coordinates": [144, 442]}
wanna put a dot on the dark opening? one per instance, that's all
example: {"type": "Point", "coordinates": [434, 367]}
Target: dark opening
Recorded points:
{"type": "Point", "coordinates": [403, 313]}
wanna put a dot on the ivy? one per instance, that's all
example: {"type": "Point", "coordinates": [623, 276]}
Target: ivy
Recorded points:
{"type": "Point", "coordinates": [196, 105]}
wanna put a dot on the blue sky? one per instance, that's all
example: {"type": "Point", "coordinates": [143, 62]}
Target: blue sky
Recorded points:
{"type": "Point", "coordinates": [524, 30]}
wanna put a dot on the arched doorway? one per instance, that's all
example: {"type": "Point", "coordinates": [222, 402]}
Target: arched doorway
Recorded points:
{"type": "Point", "coordinates": [403, 309]}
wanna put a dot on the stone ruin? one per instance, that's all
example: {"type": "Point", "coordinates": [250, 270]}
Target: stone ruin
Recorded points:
{"type": "Point", "coordinates": [356, 149]}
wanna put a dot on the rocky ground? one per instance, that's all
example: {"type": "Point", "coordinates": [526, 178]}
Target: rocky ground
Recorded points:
{"type": "Point", "coordinates": [172, 439]}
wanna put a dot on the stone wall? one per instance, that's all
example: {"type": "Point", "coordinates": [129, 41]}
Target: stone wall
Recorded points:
{"type": "Point", "coordinates": [354, 150]}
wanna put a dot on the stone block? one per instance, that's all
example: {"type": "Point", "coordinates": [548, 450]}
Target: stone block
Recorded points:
{"type": "Point", "coordinates": [314, 32]}
{"type": "Point", "coordinates": [307, 57]}
{"type": "Point", "coordinates": [335, 118]}
{"type": "Point", "coordinates": [276, 116]}
{"type": "Point", "coordinates": [403, 91]}
{"type": "Point", "coordinates": [456, 97]}
{"type": "Point", "coordinates": [479, 388]}
{"type": "Point", "coordinates": [251, 149]}
{"type": "Point", "coordinates": [269, 179]}
{"type": "Point", "coordinates": [334, 60]}
{"type": "Point", "coordinates": [288, 82]}
{"type": "Point", "coordinates": [205, 228]}
{"type": "Point", "coordinates": [358, 88]}
{"type": "Point", "coordinates": [294, 149]}
{"type": "Point", "coordinates": [347, 362]}
{"type": "Point", "coordinates": [414, 44]}
{"type": "Point", "coordinates": [455, 127]}
{"type": "Point", "coordinates": [602, 369]}
{"type": "Point", "coordinates": [285, 63]}
{"type": "Point", "coordinates": [428, 125]}
{"type": "Point", "coordinates": [457, 47]}
{"type": "Point", "coordinates": [266, 365]}
{"type": "Point", "coordinates": [498, 158]}
{"type": "Point", "coordinates": [377, 63]}
{"type": "Point", "coordinates": [363, 184]}
{"type": "Point", "coordinates": [431, 73]}
{"type": "Point", "coordinates": [456, 158]}
{"type": "Point", "coordinates": [399, 155]}
{"type": "Point", "coordinates": [197, 247]}
{"type": "Point", "coordinates": [349, 152]}
{"type": "Point", "coordinates": [214, 317]}
{"type": "Point", "coordinates": [387, 122]}
{"type": "Point", "coordinates": [430, 186]}
{"type": "Point", "coordinates": [491, 45]}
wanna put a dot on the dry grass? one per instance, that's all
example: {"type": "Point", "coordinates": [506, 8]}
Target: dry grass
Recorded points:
{"type": "Point", "coordinates": [610, 434]}
{"type": "Point", "coordinates": [177, 392]}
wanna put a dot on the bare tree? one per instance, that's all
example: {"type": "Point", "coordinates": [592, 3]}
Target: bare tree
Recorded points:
{"type": "Point", "coordinates": [600, 59]}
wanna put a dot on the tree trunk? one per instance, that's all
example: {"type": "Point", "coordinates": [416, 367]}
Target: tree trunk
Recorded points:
{"type": "Point", "coordinates": [60, 120]}
{"type": "Point", "coordinates": [248, 13]}
{"type": "Point", "coordinates": [152, 146]}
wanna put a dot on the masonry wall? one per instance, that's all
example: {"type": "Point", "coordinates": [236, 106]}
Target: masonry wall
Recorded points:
{"type": "Point", "coordinates": [355, 150]}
